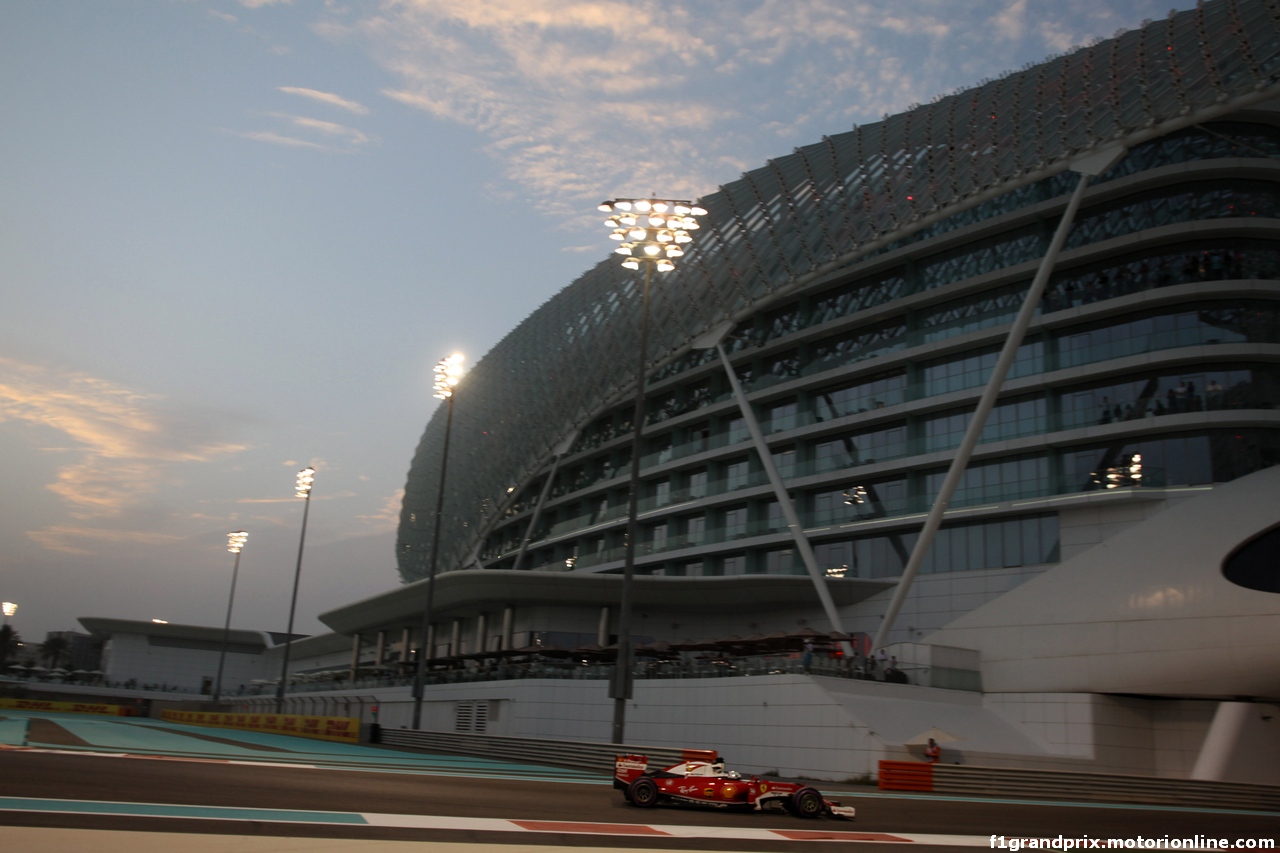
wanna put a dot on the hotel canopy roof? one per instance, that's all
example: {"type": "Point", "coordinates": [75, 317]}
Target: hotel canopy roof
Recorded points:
{"type": "Point", "coordinates": [809, 215]}
{"type": "Point", "coordinates": [466, 593]}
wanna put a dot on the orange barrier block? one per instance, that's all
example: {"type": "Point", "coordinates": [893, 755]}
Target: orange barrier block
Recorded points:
{"type": "Point", "coordinates": [67, 707]}
{"type": "Point", "coordinates": [906, 776]}
{"type": "Point", "coordinates": [344, 729]}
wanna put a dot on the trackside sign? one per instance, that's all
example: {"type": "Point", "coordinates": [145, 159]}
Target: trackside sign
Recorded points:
{"type": "Point", "coordinates": [66, 707]}
{"type": "Point", "coordinates": [344, 729]}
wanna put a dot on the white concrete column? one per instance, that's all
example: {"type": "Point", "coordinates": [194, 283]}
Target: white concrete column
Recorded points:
{"type": "Point", "coordinates": [429, 647]}
{"type": "Point", "coordinates": [508, 619]}
{"type": "Point", "coordinates": [1225, 737]}
{"type": "Point", "coordinates": [1090, 165]}
{"type": "Point", "coordinates": [455, 638]}
{"type": "Point", "coordinates": [482, 625]}
{"type": "Point", "coordinates": [355, 655]}
{"type": "Point", "coordinates": [405, 636]}
{"type": "Point", "coordinates": [807, 556]}
{"type": "Point", "coordinates": [602, 632]}
{"type": "Point", "coordinates": [379, 648]}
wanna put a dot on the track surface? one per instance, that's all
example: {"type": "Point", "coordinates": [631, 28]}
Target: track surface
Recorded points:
{"type": "Point", "coordinates": [336, 778]}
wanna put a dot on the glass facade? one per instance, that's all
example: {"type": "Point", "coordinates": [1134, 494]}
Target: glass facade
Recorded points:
{"type": "Point", "coordinates": [868, 295]}
{"type": "Point", "coordinates": [848, 445]}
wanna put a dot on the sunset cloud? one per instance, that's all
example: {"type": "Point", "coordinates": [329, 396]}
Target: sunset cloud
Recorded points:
{"type": "Point", "coordinates": [387, 518]}
{"type": "Point", "coordinates": [75, 540]}
{"type": "Point", "coordinates": [124, 443]}
{"type": "Point", "coordinates": [583, 98]}
{"type": "Point", "coordinates": [278, 139]}
{"type": "Point", "coordinates": [327, 98]}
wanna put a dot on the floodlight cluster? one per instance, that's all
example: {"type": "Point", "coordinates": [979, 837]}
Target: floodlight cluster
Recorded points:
{"type": "Point", "coordinates": [306, 477]}
{"type": "Point", "coordinates": [651, 229]}
{"type": "Point", "coordinates": [448, 373]}
{"type": "Point", "coordinates": [855, 495]}
{"type": "Point", "coordinates": [236, 540]}
{"type": "Point", "coordinates": [1127, 474]}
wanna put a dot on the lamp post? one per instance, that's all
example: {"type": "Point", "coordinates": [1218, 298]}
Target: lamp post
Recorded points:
{"type": "Point", "coordinates": [448, 372]}
{"type": "Point", "coordinates": [651, 233]}
{"type": "Point", "coordinates": [235, 543]}
{"type": "Point", "coordinates": [302, 490]}
{"type": "Point", "coordinates": [8, 608]}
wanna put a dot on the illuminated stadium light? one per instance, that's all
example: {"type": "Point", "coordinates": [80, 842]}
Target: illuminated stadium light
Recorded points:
{"type": "Point", "coordinates": [235, 541]}
{"type": "Point", "coordinates": [448, 374]}
{"type": "Point", "coordinates": [654, 234]}
{"type": "Point", "coordinates": [855, 495]}
{"type": "Point", "coordinates": [306, 477]}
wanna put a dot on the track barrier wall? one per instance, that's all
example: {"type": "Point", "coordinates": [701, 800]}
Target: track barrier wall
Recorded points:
{"type": "Point", "coordinates": [563, 753]}
{"type": "Point", "coordinates": [976, 781]}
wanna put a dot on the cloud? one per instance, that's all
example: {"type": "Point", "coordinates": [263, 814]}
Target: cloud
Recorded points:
{"type": "Point", "coordinates": [278, 139]}
{"type": "Point", "coordinates": [327, 98]}
{"type": "Point", "coordinates": [258, 4]}
{"type": "Point", "coordinates": [329, 128]}
{"type": "Point", "coordinates": [326, 135]}
{"type": "Point", "coordinates": [387, 517]}
{"type": "Point", "coordinates": [64, 539]}
{"type": "Point", "coordinates": [1011, 22]}
{"type": "Point", "coordinates": [581, 99]}
{"type": "Point", "coordinates": [126, 443]}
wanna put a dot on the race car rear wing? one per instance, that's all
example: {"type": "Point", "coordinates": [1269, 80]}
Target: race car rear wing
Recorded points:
{"type": "Point", "coordinates": [627, 768]}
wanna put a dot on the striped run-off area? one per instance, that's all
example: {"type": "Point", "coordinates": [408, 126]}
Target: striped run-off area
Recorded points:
{"type": "Point", "coordinates": [147, 738]}
{"type": "Point", "coordinates": [473, 824]}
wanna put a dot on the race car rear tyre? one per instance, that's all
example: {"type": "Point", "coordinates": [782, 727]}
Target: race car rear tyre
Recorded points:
{"type": "Point", "coordinates": [643, 792]}
{"type": "Point", "coordinates": [807, 803]}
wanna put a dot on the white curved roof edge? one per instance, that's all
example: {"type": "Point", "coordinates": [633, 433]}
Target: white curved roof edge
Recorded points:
{"type": "Point", "coordinates": [471, 590]}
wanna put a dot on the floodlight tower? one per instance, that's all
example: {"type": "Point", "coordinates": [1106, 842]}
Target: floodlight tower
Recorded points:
{"type": "Point", "coordinates": [448, 372]}
{"type": "Point", "coordinates": [235, 543]}
{"type": "Point", "coordinates": [651, 232]}
{"type": "Point", "coordinates": [302, 489]}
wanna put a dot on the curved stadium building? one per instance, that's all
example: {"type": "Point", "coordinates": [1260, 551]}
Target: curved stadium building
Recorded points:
{"type": "Point", "coordinates": [863, 286]}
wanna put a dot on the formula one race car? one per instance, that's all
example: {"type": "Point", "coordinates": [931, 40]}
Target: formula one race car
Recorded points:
{"type": "Point", "coordinates": [700, 779]}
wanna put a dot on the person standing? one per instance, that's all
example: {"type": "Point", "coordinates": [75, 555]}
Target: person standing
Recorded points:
{"type": "Point", "coordinates": [933, 752]}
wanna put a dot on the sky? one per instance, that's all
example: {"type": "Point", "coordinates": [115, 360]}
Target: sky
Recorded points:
{"type": "Point", "coordinates": [236, 235]}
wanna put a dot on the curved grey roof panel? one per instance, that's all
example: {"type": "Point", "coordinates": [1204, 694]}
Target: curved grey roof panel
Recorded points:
{"type": "Point", "coordinates": [811, 213]}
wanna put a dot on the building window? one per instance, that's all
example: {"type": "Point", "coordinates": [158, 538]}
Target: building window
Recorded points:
{"type": "Point", "coordinates": [887, 389]}
{"type": "Point", "coordinates": [735, 522]}
{"type": "Point", "coordinates": [698, 483]}
{"type": "Point", "coordinates": [693, 530]}
{"type": "Point", "coordinates": [1010, 419]}
{"type": "Point", "coordinates": [781, 416]}
{"type": "Point", "coordinates": [835, 559]}
{"type": "Point", "coordinates": [782, 561]}
{"type": "Point", "coordinates": [1169, 391]}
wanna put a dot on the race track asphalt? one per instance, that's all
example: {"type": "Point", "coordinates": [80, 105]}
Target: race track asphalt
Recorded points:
{"type": "Point", "coordinates": [76, 759]}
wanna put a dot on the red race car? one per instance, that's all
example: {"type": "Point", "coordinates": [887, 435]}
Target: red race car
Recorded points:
{"type": "Point", "coordinates": [700, 779]}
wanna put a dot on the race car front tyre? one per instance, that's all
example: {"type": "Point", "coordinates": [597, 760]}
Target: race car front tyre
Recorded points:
{"type": "Point", "coordinates": [643, 792]}
{"type": "Point", "coordinates": [807, 802]}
